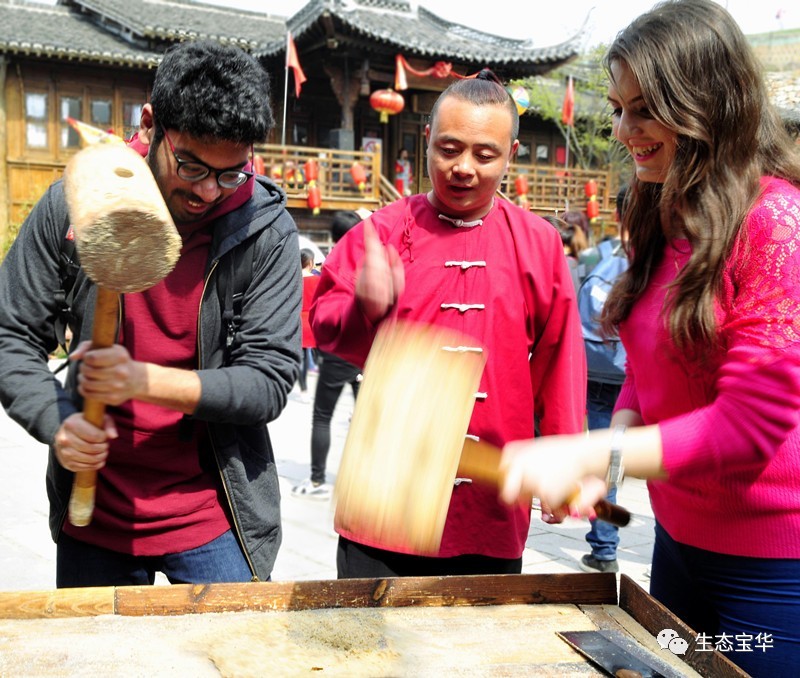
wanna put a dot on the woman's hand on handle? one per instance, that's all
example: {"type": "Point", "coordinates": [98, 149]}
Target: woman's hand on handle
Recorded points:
{"type": "Point", "coordinates": [551, 468]}
{"type": "Point", "coordinates": [568, 471]}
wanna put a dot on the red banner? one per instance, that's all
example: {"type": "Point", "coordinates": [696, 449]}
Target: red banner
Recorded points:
{"type": "Point", "coordinates": [294, 63]}
{"type": "Point", "coordinates": [568, 107]}
{"type": "Point", "coordinates": [441, 69]}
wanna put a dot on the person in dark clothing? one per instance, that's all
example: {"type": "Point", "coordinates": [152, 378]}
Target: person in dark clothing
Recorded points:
{"type": "Point", "coordinates": [187, 483]}
{"type": "Point", "coordinates": [334, 375]}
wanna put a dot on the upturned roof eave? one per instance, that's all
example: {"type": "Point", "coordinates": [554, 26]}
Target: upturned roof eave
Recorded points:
{"type": "Point", "coordinates": [156, 31]}
{"type": "Point", "coordinates": [517, 54]}
{"type": "Point", "coordinates": [150, 60]}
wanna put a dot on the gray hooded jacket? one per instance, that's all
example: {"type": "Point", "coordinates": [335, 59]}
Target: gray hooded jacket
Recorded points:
{"type": "Point", "coordinates": [238, 398]}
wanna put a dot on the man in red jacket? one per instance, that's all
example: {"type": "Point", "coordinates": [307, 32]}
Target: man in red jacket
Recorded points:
{"type": "Point", "coordinates": [461, 258]}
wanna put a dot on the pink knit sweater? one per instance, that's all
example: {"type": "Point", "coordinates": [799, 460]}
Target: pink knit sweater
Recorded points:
{"type": "Point", "coordinates": [730, 431]}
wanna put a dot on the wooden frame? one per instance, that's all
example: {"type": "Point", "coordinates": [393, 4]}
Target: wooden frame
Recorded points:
{"type": "Point", "coordinates": [588, 600]}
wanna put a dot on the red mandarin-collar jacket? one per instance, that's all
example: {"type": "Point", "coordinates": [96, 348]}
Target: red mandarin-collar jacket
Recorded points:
{"type": "Point", "coordinates": [505, 283]}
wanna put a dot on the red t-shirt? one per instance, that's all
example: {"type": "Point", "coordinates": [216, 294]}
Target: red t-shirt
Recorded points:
{"type": "Point", "coordinates": [155, 495]}
{"type": "Point", "coordinates": [310, 283]}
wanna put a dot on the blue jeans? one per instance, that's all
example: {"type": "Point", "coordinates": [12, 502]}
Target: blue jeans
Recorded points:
{"type": "Point", "coordinates": [742, 597]}
{"type": "Point", "coordinates": [81, 564]}
{"type": "Point", "coordinates": [600, 400]}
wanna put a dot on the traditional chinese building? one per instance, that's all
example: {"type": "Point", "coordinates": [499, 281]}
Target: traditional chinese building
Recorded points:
{"type": "Point", "coordinates": [94, 60]}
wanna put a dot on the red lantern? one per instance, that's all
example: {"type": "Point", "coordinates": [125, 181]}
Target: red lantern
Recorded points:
{"type": "Point", "coordinates": [314, 198]}
{"type": "Point", "coordinates": [387, 102]}
{"type": "Point", "coordinates": [522, 188]}
{"type": "Point", "coordinates": [592, 208]}
{"type": "Point", "coordinates": [311, 170]}
{"type": "Point", "coordinates": [258, 165]}
{"type": "Point", "coordinates": [359, 175]}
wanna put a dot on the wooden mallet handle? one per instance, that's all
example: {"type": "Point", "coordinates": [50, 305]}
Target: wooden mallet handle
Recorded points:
{"type": "Point", "coordinates": [127, 242]}
{"type": "Point", "coordinates": [104, 333]}
{"type": "Point", "coordinates": [481, 461]}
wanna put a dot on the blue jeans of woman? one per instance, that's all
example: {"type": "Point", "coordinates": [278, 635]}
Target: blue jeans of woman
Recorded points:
{"type": "Point", "coordinates": [600, 400]}
{"type": "Point", "coordinates": [751, 603]}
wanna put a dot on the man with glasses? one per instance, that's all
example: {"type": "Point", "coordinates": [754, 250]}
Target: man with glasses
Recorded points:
{"type": "Point", "coordinates": [187, 484]}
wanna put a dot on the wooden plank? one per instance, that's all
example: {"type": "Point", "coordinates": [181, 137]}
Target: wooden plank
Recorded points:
{"type": "Point", "coordinates": [654, 617]}
{"type": "Point", "coordinates": [503, 640]}
{"type": "Point", "coordinates": [59, 603]}
{"type": "Point", "coordinates": [614, 618]}
{"type": "Point", "coordinates": [500, 625]}
{"type": "Point", "coordinates": [351, 593]}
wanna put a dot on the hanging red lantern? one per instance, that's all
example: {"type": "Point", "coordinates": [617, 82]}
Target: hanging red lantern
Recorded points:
{"type": "Point", "coordinates": [592, 208]}
{"type": "Point", "coordinates": [311, 170]}
{"type": "Point", "coordinates": [258, 165]}
{"type": "Point", "coordinates": [359, 175]}
{"type": "Point", "coordinates": [522, 188]}
{"type": "Point", "coordinates": [314, 199]}
{"type": "Point", "coordinates": [387, 102]}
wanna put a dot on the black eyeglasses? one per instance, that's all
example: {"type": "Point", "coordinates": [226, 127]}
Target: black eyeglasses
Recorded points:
{"type": "Point", "coordinates": [194, 170]}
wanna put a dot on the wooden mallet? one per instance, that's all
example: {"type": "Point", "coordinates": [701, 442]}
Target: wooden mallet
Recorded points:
{"type": "Point", "coordinates": [127, 242]}
{"type": "Point", "coordinates": [406, 441]}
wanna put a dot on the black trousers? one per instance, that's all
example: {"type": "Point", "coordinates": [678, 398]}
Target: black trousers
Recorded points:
{"type": "Point", "coordinates": [356, 560]}
{"type": "Point", "coordinates": [302, 378]}
{"type": "Point", "coordinates": [334, 375]}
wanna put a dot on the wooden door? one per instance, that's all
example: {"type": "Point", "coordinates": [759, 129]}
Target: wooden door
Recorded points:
{"type": "Point", "coordinates": [412, 138]}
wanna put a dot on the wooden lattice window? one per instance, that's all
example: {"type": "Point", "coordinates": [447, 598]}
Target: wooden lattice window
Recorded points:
{"type": "Point", "coordinates": [69, 107]}
{"type": "Point", "coordinates": [36, 116]}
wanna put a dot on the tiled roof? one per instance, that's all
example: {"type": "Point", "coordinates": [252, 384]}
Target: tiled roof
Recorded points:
{"type": "Point", "coordinates": [178, 19]}
{"type": "Point", "coordinates": [136, 32]}
{"type": "Point", "coordinates": [54, 31]}
{"type": "Point", "coordinates": [419, 32]}
{"type": "Point", "coordinates": [128, 32]}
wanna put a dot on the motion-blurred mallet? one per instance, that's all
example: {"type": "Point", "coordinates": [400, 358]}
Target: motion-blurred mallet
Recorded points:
{"type": "Point", "coordinates": [407, 440]}
{"type": "Point", "coordinates": [127, 242]}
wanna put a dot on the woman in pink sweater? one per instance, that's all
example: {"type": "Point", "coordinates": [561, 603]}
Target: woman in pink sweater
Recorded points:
{"type": "Point", "coordinates": [709, 313]}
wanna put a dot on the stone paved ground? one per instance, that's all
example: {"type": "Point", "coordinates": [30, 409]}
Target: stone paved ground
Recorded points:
{"type": "Point", "coordinates": [27, 555]}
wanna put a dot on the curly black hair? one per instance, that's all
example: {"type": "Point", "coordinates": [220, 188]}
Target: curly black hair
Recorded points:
{"type": "Point", "coordinates": [212, 91]}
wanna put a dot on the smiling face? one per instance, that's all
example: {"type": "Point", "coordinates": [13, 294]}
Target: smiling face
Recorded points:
{"type": "Point", "coordinates": [469, 148]}
{"type": "Point", "coordinates": [651, 144]}
{"type": "Point", "coordinates": [188, 202]}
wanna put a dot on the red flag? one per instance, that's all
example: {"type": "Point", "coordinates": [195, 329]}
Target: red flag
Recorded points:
{"type": "Point", "coordinates": [294, 63]}
{"type": "Point", "coordinates": [400, 81]}
{"type": "Point", "coordinates": [568, 107]}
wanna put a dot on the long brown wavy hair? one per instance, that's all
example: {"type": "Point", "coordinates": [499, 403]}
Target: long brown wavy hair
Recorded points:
{"type": "Point", "coordinates": [699, 78]}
